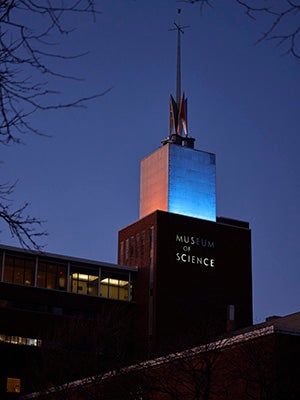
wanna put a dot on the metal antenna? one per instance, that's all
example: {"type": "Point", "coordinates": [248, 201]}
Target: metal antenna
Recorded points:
{"type": "Point", "coordinates": [179, 30]}
{"type": "Point", "coordinates": [178, 107]}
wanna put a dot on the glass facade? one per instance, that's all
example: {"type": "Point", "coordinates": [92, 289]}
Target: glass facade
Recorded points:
{"type": "Point", "coordinates": [84, 283]}
{"type": "Point", "coordinates": [19, 270]}
{"type": "Point", "coordinates": [180, 180]}
{"type": "Point", "coordinates": [115, 286]}
{"type": "Point", "coordinates": [51, 275]}
{"type": "Point", "coordinates": [64, 275]}
{"type": "Point", "coordinates": [192, 183]}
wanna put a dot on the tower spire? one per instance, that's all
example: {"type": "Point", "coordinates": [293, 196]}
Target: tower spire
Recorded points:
{"type": "Point", "coordinates": [178, 108]}
{"type": "Point", "coordinates": [178, 74]}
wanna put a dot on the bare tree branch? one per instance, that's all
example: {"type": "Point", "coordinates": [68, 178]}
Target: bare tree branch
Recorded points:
{"type": "Point", "coordinates": [282, 21]}
{"type": "Point", "coordinates": [24, 53]}
{"type": "Point", "coordinates": [284, 27]}
{"type": "Point", "coordinates": [202, 3]}
{"type": "Point", "coordinates": [22, 226]}
{"type": "Point", "coordinates": [30, 30]}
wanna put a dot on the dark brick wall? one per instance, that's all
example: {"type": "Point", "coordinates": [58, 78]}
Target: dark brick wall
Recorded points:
{"type": "Point", "coordinates": [199, 269]}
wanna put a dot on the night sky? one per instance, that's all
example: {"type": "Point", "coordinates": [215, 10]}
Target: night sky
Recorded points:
{"type": "Point", "coordinates": [243, 106]}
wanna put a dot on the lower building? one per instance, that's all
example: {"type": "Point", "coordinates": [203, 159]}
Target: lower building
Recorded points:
{"type": "Point", "coordinates": [58, 311]}
{"type": "Point", "coordinates": [258, 362]}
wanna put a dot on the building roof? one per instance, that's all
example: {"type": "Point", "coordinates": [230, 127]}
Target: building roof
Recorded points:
{"type": "Point", "coordinates": [66, 258]}
{"type": "Point", "coordinates": [289, 324]}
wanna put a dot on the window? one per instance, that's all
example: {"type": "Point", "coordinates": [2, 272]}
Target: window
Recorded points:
{"type": "Point", "coordinates": [52, 276]}
{"type": "Point", "coordinates": [115, 286]}
{"type": "Point", "coordinates": [19, 270]}
{"type": "Point", "coordinates": [13, 385]}
{"type": "Point", "coordinates": [230, 312]}
{"type": "Point", "coordinates": [20, 340]}
{"type": "Point", "coordinates": [126, 251]}
{"type": "Point", "coordinates": [8, 269]}
{"type": "Point", "coordinates": [73, 276]}
{"type": "Point", "coordinates": [143, 244]}
{"type": "Point", "coordinates": [131, 251]}
{"type": "Point", "coordinates": [84, 280]}
{"type": "Point", "coordinates": [151, 238]}
{"type": "Point", "coordinates": [137, 245]}
{"type": "Point", "coordinates": [121, 253]}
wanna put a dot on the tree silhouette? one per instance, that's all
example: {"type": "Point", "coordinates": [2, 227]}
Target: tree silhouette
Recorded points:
{"type": "Point", "coordinates": [282, 22]}
{"type": "Point", "coordinates": [28, 31]}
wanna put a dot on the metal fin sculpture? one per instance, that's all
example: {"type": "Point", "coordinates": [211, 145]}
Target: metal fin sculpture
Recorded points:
{"type": "Point", "coordinates": [178, 108]}
{"type": "Point", "coordinates": [178, 116]}
{"type": "Point", "coordinates": [178, 131]}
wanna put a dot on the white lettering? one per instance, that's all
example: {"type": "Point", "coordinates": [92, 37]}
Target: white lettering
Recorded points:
{"type": "Point", "coordinates": [198, 241]}
{"type": "Point", "coordinates": [188, 258]}
{"type": "Point", "coordinates": [179, 238]}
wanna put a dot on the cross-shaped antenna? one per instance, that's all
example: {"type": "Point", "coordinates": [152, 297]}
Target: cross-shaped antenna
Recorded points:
{"type": "Point", "coordinates": [179, 30]}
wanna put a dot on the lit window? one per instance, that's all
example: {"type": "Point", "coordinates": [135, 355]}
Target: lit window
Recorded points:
{"type": "Point", "coordinates": [33, 342]}
{"type": "Point", "coordinates": [20, 340]}
{"type": "Point", "coordinates": [15, 340]}
{"type": "Point", "coordinates": [13, 385]}
{"type": "Point", "coordinates": [84, 283]}
{"type": "Point", "coordinates": [114, 282]}
{"type": "Point", "coordinates": [115, 286]}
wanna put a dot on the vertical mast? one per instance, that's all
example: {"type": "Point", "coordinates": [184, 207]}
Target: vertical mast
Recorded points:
{"type": "Point", "coordinates": [178, 77]}
{"type": "Point", "coordinates": [178, 107]}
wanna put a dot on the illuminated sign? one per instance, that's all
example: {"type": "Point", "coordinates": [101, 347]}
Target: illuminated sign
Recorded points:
{"type": "Point", "coordinates": [189, 250]}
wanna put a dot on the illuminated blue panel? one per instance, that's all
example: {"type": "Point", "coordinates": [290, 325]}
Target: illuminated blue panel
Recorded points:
{"type": "Point", "coordinates": [192, 182]}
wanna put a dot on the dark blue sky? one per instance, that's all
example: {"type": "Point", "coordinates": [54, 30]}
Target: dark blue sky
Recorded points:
{"type": "Point", "coordinates": [243, 105]}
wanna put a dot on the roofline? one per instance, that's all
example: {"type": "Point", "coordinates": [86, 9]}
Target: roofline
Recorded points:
{"type": "Point", "coordinates": [67, 258]}
{"type": "Point", "coordinates": [218, 344]}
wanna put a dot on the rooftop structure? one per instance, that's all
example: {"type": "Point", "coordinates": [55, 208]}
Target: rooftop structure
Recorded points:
{"type": "Point", "coordinates": [66, 274]}
{"type": "Point", "coordinates": [176, 177]}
